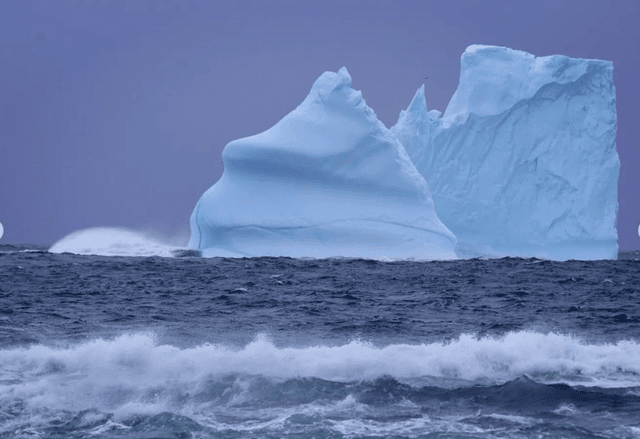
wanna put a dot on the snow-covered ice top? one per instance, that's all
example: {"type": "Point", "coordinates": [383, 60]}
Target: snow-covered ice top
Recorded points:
{"type": "Point", "coordinates": [327, 180]}
{"type": "Point", "coordinates": [493, 79]}
{"type": "Point", "coordinates": [524, 160]}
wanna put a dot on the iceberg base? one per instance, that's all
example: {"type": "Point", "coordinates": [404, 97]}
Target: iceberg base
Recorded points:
{"type": "Point", "coordinates": [346, 238]}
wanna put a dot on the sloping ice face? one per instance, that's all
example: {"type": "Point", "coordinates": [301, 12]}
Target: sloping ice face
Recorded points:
{"type": "Point", "coordinates": [524, 161]}
{"type": "Point", "coordinates": [329, 179]}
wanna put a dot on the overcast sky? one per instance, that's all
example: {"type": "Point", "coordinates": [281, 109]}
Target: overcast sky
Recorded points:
{"type": "Point", "coordinates": [115, 113]}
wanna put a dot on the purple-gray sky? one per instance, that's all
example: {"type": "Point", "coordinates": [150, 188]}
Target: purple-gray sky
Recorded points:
{"type": "Point", "coordinates": [115, 113]}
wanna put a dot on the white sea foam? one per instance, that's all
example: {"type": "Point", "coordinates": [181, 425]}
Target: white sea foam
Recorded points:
{"type": "Point", "coordinates": [524, 420]}
{"type": "Point", "coordinates": [565, 409]}
{"type": "Point", "coordinates": [134, 374]}
{"type": "Point", "coordinates": [113, 241]}
{"type": "Point", "coordinates": [406, 428]}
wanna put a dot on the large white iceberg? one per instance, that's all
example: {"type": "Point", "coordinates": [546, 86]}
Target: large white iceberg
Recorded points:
{"type": "Point", "coordinates": [329, 179]}
{"type": "Point", "coordinates": [524, 160]}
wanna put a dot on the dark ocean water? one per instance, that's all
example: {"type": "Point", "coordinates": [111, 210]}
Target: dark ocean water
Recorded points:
{"type": "Point", "coordinates": [157, 347]}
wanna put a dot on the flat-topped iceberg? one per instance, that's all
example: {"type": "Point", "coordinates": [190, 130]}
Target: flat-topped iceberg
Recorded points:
{"type": "Point", "coordinates": [524, 161]}
{"type": "Point", "coordinates": [328, 180]}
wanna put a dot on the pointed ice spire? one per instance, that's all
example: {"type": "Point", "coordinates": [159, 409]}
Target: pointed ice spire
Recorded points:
{"type": "Point", "coordinates": [418, 103]}
{"type": "Point", "coordinates": [414, 127]}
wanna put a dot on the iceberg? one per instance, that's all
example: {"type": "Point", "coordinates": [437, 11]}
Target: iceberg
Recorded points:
{"type": "Point", "coordinates": [523, 162]}
{"type": "Point", "coordinates": [329, 179]}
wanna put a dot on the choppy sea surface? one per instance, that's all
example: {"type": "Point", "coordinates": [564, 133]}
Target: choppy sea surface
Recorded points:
{"type": "Point", "coordinates": [187, 347]}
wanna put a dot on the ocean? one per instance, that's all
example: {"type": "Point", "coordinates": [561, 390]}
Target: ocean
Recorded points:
{"type": "Point", "coordinates": [189, 347]}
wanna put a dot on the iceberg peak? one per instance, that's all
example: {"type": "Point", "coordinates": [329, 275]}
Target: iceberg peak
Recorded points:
{"type": "Point", "coordinates": [332, 90]}
{"type": "Point", "coordinates": [414, 126]}
{"type": "Point", "coordinates": [418, 103]}
{"type": "Point", "coordinates": [330, 82]}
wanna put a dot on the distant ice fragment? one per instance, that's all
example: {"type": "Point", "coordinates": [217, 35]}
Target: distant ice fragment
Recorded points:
{"type": "Point", "coordinates": [328, 180]}
{"type": "Point", "coordinates": [524, 160]}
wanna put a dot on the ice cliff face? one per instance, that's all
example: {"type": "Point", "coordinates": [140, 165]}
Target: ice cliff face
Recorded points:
{"type": "Point", "coordinates": [327, 180]}
{"type": "Point", "coordinates": [524, 160]}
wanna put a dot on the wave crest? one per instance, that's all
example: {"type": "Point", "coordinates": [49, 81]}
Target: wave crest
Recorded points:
{"type": "Point", "coordinates": [139, 357]}
{"type": "Point", "coordinates": [133, 377]}
{"type": "Point", "coordinates": [113, 241]}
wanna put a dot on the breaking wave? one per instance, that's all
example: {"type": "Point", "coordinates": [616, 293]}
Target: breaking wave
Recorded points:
{"type": "Point", "coordinates": [132, 385]}
{"type": "Point", "coordinates": [112, 241]}
{"type": "Point", "coordinates": [135, 363]}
